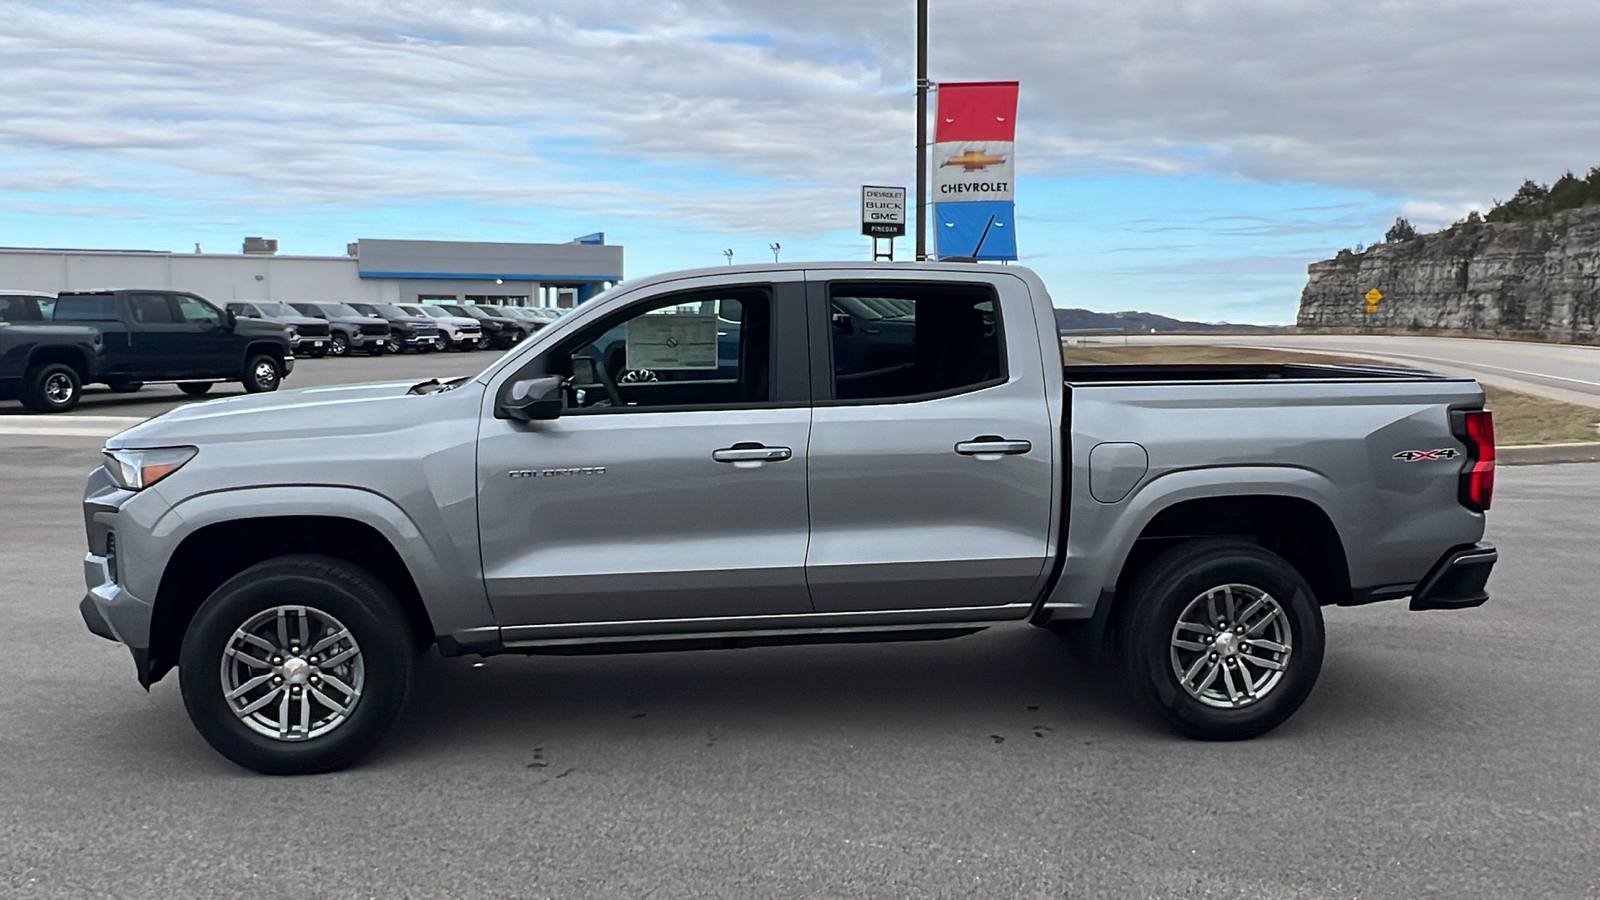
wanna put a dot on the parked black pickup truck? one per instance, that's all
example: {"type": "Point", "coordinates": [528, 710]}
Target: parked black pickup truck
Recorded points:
{"type": "Point", "coordinates": [128, 338]}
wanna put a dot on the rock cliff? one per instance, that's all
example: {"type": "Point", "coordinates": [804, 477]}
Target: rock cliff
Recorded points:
{"type": "Point", "coordinates": [1531, 277]}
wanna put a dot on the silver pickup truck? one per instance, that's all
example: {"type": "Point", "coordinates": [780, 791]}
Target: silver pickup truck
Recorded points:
{"type": "Point", "coordinates": [780, 454]}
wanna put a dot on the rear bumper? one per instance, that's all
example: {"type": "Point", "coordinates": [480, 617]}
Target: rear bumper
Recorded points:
{"type": "Point", "coordinates": [1458, 580]}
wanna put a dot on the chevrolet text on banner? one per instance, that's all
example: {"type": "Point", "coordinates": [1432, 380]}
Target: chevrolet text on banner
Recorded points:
{"type": "Point", "coordinates": [972, 170]}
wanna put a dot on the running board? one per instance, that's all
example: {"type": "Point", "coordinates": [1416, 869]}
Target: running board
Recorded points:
{"type": "Point", "coordinates": [728, 640]}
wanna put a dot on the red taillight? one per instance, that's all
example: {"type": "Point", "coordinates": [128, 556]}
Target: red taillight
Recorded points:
{"type": "Point", "coordinates": [1477, 482]}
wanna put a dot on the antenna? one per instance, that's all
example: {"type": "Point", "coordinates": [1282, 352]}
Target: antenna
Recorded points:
{"type": "Point", "coordinates": [729, 254]}
{"type": "Point", "coordinates": [984, 237]}
{"type": "Point", "coordinates": [774, 247]}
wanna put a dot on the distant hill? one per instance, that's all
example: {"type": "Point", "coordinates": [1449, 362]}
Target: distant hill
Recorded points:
{"type": "Point", "coordinates": [1144, 323]}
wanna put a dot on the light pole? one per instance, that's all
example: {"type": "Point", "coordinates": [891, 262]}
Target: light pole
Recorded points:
{"type": "Point", "coordinates": [922, 130]}
{"type": "Point", "coordinates": [729, 254]}
{"type": "Point", "coordinates": [774, 247]}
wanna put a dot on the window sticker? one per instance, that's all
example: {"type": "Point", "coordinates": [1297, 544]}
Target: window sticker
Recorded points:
{"type": "Point", "coordinates": [666, 342]}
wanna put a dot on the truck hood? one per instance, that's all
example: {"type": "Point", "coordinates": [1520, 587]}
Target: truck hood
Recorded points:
{"type": "Point", "coordinates": [346, 409]}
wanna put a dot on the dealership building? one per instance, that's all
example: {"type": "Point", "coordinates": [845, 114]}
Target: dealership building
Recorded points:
{"type": "Point", "coordinates": [373, 271]}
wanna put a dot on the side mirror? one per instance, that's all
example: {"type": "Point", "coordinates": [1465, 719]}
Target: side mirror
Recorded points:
{"type": "Point", "coordinates": [532, 399]}
{"type": "Point", "coordinates": [231, 318]}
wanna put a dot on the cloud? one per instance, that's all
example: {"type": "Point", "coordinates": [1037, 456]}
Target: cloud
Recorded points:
{"type": "Point", "coordinates": [766, 115]}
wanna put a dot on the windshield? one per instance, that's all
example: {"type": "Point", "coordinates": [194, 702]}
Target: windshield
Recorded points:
{"type": "Point", "coordinates": [309, 309]}
{"type": "Point", "coordinates": [472, 311]}
{"type": "Point", "coordinates": [437, 312]}
{"type": "Point", "coordinates": [275, 309]}
{"type": "Point", "coordinates": [340, 309]}
{"type": "Point", "coordinates": [390, 311]}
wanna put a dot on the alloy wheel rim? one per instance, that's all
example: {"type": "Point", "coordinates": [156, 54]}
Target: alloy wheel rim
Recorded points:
{"type": "Point", "coordinates": [266, 374]}
{"type": "Point", "coordinates": [58, 388]}
{"type": "Point", "coordinates": [292, 673]}
{"type": "Point", "coordinates": [1231, 646]}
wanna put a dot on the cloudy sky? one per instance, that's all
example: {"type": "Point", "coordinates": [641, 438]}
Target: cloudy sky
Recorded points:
{"type": "Point", "coordinates": [1182, 156]}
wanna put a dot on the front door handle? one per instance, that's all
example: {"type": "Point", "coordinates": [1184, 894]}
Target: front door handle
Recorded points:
{"type": "Point", "coordinates": [987, 444]}
{"type": "Point", "coordinates": [751, 451]}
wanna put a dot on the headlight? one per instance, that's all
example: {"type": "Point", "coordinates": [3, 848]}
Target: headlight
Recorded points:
{"type": "Point", "coordinates": [135, 470]}
{"type": "Point", "coordinates": [292, 330]}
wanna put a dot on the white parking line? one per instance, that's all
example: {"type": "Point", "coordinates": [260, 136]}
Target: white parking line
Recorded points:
{"type": "Point", "coordinates": [67, 426]}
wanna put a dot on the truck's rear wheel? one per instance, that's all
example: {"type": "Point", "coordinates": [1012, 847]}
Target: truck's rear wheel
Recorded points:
{"type": "Point", "coordinates": [297, 665]}
{"type": "Point", "coordinates": [262, 374]}
{"type": "Point", "coordinates": [194, 388]}
{"type": "Point", "coordinates": [51, 388]}
{"type": "Point", "coordinates": [1224, 639]}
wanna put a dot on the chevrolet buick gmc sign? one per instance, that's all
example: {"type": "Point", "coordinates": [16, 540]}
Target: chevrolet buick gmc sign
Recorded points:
{"type": "Point", "coordinates": [883, 211]}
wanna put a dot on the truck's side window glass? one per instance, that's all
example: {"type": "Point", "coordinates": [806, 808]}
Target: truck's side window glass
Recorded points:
{"type": "Point", "coordinates": [150, 309]}
{"type": "Point", "coordinates": [86, 308]}
{"type": "Point", "coordinates": [198, 312]}
{"type": "Point", "coordinates": [701, 348]}
{"type": "Point", "coordinates": [20, 309]}
{"type": "Point", "coordinates": [903, 340]}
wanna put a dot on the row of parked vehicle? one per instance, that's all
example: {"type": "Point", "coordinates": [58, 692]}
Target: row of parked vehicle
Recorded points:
{"type": "Point", "coordinates": [320, 329]}
{"type": "Point", "coordinates": [51, 345]}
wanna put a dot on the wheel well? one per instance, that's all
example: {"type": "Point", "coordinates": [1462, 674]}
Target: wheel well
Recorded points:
{"type": "Point", "coordinates": [218, 552]}
{"type": "Point", "coordinates": [1297, 530]}
{"type": "Point", "coordinates": [74, 358]}
{"type": "Point", "coordinates": [267, 347]}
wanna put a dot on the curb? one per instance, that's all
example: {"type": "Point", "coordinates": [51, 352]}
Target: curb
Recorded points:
{"type": "Point", "coordinates": [1543, 454]}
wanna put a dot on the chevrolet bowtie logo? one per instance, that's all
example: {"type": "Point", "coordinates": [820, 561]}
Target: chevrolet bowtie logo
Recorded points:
{"type": "Point", "coordinates": [973, 160]}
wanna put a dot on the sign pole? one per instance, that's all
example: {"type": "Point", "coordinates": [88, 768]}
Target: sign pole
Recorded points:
{"type": "Point", "coordinates": [922, 130]}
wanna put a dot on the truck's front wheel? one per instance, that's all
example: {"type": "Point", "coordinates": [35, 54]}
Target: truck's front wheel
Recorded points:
{"type": "Point", "coordinates": [297, 665]}
{"type": "Point", "coordinates": [1224, 639]}
{"type": "Point", "coordinates": [261, 374]}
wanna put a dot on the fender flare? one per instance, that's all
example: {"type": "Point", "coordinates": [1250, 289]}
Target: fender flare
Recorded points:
{"type": "Point", "coordinates": [449, 606]}
{"type": "Point", "coordinates": [1089, 578]}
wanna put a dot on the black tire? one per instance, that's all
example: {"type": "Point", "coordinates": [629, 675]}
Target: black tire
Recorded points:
{"type": "Point", "coordinates": [1182, 576]}
{"type": "Point", "coordinates": [425, 347]}
{"type": "Point", "coordinates": [194, 388]}
{"type": "Point", "coordinates": [332, 588]}
{"type": "Point", "coordinates": [338, 345]}
{"type": "Point", "coordinates": [381, 349]}
{"type": "Point", "coordinates": [126, 387]}
{"type": "Point", "coordinates": [51, 388]}
{"type": "Point", "coordinates": [319, 352]}
{"type": "Point", "coordinates": [262, 373]}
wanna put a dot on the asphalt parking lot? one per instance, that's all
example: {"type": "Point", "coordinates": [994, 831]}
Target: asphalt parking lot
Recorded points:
{"type": "Point", "coordinates": [1442, 755]}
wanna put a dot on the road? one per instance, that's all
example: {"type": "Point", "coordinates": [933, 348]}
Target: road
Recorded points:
{"type": "Point", "coordinates": [1558, 371]}
{"type": "Point", "coordinates": [1442, 755]}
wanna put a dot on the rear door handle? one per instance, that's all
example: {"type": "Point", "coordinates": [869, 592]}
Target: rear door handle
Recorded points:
{"type": "Point", "coordinates": [749, 451]}
{"type": "Point", "coordinates": [988, 443]}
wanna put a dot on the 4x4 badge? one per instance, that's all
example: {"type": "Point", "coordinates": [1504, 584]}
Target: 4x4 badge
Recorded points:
{"type": "Point", "coordinates": [1422, 455]}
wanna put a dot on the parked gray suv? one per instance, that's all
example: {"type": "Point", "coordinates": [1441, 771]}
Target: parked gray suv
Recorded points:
{"type": "Point", "coordinates": [291, 555]}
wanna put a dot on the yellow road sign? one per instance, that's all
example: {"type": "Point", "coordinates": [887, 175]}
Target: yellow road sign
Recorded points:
{"type": "Point", "coordinates": [1372, 307]}
{"type": "Point", "coordinates": [1373, 296]}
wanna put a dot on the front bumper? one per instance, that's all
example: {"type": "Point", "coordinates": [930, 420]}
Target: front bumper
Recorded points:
{"type": "Point", "coordinates": [111, 612]}
{"type": "Point", "coordinates": [1458, 580]}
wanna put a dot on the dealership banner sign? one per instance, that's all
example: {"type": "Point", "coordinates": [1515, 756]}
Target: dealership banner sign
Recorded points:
{"type": "Point", "coordinates": [973, 171]}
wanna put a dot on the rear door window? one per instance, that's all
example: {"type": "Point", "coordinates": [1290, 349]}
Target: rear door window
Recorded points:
{"type": "Point", "coordinates": [899, 341]}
